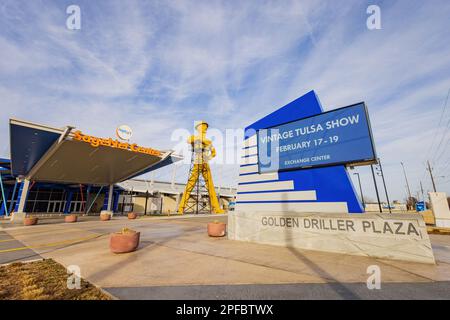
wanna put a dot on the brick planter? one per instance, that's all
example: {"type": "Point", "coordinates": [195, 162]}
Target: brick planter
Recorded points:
{"type": "Point", "coordinates": [30, 221]}
{"type": "Point", "coordinates": [124, 242]}
{"type": "Point", "coordinates": [132, 215]}
{"type": "Point", "coordinates": [217, 229]}
{"type": "Point", "coordinates": [71, 218]}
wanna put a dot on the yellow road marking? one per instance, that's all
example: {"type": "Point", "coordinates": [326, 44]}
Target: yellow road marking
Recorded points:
{"type": "Point", "coordinates": [8, 240]}
{"type": "Point", "coordinates": [53, 244]}
{"type": "Point", "coordinates": [55, 230]}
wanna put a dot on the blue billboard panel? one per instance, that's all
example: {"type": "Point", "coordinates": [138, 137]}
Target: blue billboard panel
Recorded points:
{"type": "Point", "coordinates": [420, 206]}
{"type": "Point", "coordinates": [341, 136]}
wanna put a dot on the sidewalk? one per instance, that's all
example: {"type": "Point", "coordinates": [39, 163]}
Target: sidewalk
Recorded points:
{"type": "Point", "coordinates": [177, 259]}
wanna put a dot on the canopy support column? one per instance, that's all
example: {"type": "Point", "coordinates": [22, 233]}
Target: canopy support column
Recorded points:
{"type": "Point", "coordinates": [11, 204]}
{"type": "Point", "coordinates": [110, 197]}
{"type": "Point", "coordinates": [4, 198]}
{"type": "Point", "coordinates": [107, 204]}
{"type": "Point", "coordinates": [19, 213]}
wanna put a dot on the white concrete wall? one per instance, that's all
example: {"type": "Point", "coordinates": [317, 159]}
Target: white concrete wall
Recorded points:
{"type": "Point", "coordinates": [439, 205]}
{"type": "Point", "coordinates": [390, 236]}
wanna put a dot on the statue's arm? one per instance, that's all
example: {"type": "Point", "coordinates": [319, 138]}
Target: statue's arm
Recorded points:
{"type": "Point", "coordinates": [213, 152]}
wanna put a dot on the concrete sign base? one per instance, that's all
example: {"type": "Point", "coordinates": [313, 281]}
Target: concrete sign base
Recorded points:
{"type": "Point", "coordinates": [389, 236]}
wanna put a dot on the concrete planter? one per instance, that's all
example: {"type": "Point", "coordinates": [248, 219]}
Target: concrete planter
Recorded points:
{"type": "Point", "coordinates": [105, 217]}
{"type": "Point", "coordinates": [30, 221]}
{"type": "Point", "coordinates": [132, 215]}
{"type": "Point", "coordinates": [217, 229]}
{"type": "Point", "coordinates": [123, 242]}
{"type": "Point", "coordinates": [71, 218]}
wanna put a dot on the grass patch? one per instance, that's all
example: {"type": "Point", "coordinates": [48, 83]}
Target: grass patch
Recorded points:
{"type": "Point", "coordinates": [43, 280]}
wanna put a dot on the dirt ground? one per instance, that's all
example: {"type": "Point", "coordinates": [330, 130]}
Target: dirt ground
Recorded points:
{"type": "Point", "coordinates": [43, 280]}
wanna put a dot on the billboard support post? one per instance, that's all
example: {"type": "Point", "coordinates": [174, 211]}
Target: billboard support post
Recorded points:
{"type": "Point", "coordinates": [360, 190]}
{"type": "Point", "coordinates": [384, 184]}
{"type": "Point", "coordinates": [376, 188]}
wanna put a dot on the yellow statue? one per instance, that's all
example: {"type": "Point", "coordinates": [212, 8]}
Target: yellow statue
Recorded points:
{"type": "Point", "coordinates": [203, 152]}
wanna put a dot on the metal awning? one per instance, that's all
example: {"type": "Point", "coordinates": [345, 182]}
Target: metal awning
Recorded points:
{"type": "Point", "coordinates": [144, 186]}
{"type": "Point", "coordinates": [45, 154]}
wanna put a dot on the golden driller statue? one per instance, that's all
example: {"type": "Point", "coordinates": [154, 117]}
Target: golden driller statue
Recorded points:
{"type": "Point", "coordinates": [203, 151]}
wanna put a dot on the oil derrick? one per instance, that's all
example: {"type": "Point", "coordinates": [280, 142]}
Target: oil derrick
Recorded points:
{"type": "Point", "coordinates": [198, 200]}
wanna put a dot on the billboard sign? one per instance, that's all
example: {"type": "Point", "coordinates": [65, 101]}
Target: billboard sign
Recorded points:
{"type": "Point", "coordinates": [341, 136]}
{"type": "Point", "coordinates": [420, 206]}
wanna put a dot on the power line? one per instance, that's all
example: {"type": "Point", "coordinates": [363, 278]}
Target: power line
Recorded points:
{"type": "Point", "coordinates": [436, 133]}
{"type": "Point", "coordinates": [443, 151]}
{"type": "Point", "coordinates": [438, 126]}
{"type": "Point", "coordinates": [444, 166]}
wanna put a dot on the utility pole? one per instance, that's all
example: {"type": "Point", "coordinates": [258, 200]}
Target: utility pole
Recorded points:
{"type": "Point", "coordinates": [360, 190]}
{"type": "Point", "coordinates": [421, 190]}
{"type": "Point", "coordinates": [384, 183]}
{"type": "Point", "coordinates": [431, 175]}
{"type": "Point", "coordinates": [407, 184]}
{"type": "Point", "coordinates": [376, 188]}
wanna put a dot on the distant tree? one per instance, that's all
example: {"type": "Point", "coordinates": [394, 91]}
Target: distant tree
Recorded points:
{"type": "Point", "coordinates": [411, 203]}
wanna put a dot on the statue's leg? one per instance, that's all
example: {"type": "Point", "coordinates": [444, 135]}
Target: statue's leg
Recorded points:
{"type": "Point", "coordinates": [206, 172]}
{"type": "Point", "coordinates": [189, 186]}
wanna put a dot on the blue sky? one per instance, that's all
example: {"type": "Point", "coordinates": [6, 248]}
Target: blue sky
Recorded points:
{"type": "Point", "coordinates": [159, 65]}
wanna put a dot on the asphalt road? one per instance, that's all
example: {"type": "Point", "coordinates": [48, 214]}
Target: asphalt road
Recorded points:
{"type": "Point", "coordinates": [12, 250]}
{"type": "Point", "coordinates": [327, 291]}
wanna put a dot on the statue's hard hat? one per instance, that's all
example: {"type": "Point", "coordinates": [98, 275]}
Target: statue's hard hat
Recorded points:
{"type": "Point", "coordinates": [198, 123]}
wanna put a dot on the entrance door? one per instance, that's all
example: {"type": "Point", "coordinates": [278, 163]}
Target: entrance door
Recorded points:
{"type": "Point", "coordinates": [56, 206]}
{"type": "Point", "coordinates": [77, 206]}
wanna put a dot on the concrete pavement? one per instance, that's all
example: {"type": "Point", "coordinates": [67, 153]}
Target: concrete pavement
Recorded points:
{"type": "Point", "coordinates": [177, 259]}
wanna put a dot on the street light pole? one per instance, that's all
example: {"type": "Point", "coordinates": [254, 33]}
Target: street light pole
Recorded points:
{"type": "Point", "coordinates": [360, 189]}
{"type": "Point", "coordinates": [376, 188]}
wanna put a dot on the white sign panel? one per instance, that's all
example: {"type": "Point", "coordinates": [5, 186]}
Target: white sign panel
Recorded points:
{"type": "Point", "coordinates": [388, 236]}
